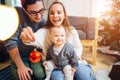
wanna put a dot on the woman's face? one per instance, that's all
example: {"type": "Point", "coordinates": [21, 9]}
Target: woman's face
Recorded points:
{"type": "Point", "coordinates": [56, 14]}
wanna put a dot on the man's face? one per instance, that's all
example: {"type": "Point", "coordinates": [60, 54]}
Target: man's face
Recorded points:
{"type": "Point", "coordinates": [35, 11]}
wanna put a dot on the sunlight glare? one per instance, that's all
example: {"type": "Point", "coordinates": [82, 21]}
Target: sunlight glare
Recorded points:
{"type": "Point", "coordinates": [8, 22]}
{"type": "Point", "coordinates": [100, 6]}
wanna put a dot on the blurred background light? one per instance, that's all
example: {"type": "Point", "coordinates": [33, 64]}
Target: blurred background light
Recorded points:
{"type": "Point", "coordinates": [9, 22]}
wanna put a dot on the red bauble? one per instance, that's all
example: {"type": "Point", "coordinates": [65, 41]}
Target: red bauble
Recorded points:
{"type": "Point", "coordinates": [35, 56]}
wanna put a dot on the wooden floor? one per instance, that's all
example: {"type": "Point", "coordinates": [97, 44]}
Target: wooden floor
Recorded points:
{"type": "Point", "coordinates": [103, 64]}
{"type": "Point", "coordinates": [103, 61]}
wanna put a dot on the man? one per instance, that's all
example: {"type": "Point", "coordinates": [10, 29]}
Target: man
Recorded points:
{"type": "Point", "coordinates": [30, 15]}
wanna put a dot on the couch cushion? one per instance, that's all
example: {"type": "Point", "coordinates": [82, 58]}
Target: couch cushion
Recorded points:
{"type": "Point", "coordinates": [80, 23]}
{"type": "Point", "coordinates": [82, 34]}
{"type": "Point", "coordinates": [90, 30]}
{"type": "Point", "coordinates": [84, 25]}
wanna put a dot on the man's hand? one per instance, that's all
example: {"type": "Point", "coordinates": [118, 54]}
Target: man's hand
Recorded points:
{"type": "Point", "coordinates": [27, 35]}
{"type": "Point", "coordinates": [22, 70]}
{"type": "Point", "coordinates": [24, 73]}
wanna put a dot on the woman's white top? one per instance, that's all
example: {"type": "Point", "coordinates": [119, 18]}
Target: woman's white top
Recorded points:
{"type": "Point", "coordinates": [42, 40]}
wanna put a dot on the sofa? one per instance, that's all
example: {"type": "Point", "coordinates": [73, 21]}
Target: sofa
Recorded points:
{"type": "Point", "coordinates": [84, 25]}
{"type": "Point", "coordinates": [88, 31]}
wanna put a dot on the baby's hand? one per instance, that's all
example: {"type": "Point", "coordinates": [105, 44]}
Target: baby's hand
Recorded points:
{"type": "Point", "coordinates": [73, 71]}
{"type": "Point", "coordinates": [44, 63]}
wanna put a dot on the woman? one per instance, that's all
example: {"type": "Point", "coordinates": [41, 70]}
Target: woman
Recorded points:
{"type": "Point", "coordinates": [57, 17]}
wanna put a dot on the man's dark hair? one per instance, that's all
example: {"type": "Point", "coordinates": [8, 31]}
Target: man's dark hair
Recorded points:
{"type": "Point", "coordinates": [29, 2]}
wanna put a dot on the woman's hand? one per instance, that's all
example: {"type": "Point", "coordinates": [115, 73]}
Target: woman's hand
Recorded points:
{"type": "Point", "coordinates": [27, 35]}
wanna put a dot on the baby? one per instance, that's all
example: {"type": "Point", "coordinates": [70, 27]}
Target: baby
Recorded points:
{"type": "Point", "coordinates": [60, 55]}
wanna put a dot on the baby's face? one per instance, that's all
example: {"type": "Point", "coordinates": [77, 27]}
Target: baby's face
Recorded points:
{"type": "Point", "coordinates": [58, 35]}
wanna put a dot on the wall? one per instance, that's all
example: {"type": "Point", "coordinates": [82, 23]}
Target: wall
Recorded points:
{"type": "Point", "coordinates": [99, 6]}
{"type": "Point", "coordinates": [47, 4]}
{"type": "Point", "coordinates": [88, 8]}
{"type": "Point", "coordinates": [78, 7]}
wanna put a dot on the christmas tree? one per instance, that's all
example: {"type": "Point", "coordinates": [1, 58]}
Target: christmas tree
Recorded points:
{"type": "Point", "coordinates": [109, 24]}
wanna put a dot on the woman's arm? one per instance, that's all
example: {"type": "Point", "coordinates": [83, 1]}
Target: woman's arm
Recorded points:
{"type": "Point", "coordinates": [74, 39]}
